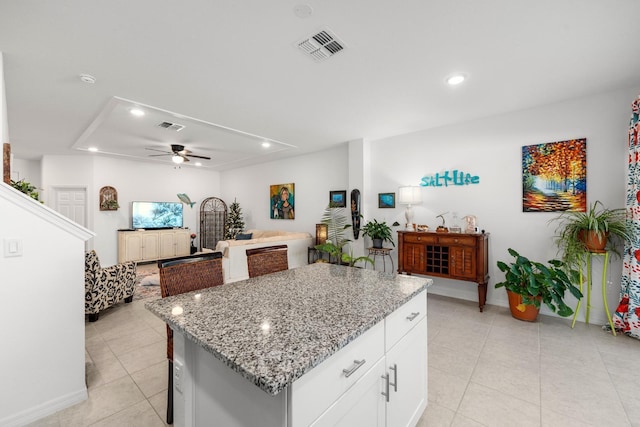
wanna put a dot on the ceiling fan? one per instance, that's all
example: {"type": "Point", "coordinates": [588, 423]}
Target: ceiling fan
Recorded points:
{"type": "Point", "coordinates": [178, 154]}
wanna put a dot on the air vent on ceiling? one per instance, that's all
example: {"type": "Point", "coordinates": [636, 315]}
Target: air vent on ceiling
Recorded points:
{"type": "Point", "coordinates": [322, 45]}
{"type": "Point", "coordinates": [171, 126]}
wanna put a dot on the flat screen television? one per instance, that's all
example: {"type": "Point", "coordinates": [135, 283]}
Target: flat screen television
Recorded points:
{"type": "Point", "coordinates": [150, 215]}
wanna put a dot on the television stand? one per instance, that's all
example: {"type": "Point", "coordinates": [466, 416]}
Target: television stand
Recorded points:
{"type": "Point", "coordinates": [151, 245]}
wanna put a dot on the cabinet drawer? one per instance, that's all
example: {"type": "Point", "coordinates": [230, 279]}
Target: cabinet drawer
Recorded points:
{"type": "Point", "coordinates": [457, 240]}
{"type": "Point", "coordinates": [404, 318]}
{"type": "Point", "coordinates": [315, 391]}
{"type": "Point", "coordinates": [417, 238]}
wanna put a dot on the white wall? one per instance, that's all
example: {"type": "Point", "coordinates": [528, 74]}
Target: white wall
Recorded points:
{"type": "Point", "coordinates": [134, 181]}
{"type": "Point", "coordinates": [314, 175]}
{"type": "Point", "coordinates": [42, 315]}
{"type": "Point", "coordinates": [4, 125]}
{"type": "Point", "coordinates": [491, 149]}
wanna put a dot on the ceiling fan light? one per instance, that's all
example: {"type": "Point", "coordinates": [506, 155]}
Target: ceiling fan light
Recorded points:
{"type": "Point", "coordinates": [177, 159]}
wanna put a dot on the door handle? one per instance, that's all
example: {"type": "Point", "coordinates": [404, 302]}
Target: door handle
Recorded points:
{"type": "Point", "coordinates": [394, 368]}
{"type": "Point", "coordinates": [385, 393]}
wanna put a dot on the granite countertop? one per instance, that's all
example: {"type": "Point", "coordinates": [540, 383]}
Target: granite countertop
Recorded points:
{"type": "Point", "coordinates": [273, 329]}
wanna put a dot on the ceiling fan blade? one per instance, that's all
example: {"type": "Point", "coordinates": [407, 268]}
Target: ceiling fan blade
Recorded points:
{"type": "Point", "coordinates": [159, 155]}
{"type": "Point", "coordinates": [155, 149]}
{"type": "Point", "coordinates": [198, 157]}
{"type": "Point", "coordinates": [185, 159]}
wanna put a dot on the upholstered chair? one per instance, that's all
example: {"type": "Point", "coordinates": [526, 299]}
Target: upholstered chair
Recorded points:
{"type": "Point", "coordinates": [269, 259]}
{"type": "Point", "coordinates": [107, 286]}
{"type": "Point", "coordinates": [181, 275]}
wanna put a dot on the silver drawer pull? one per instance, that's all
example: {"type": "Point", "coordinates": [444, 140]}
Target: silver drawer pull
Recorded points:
{"type": "Point", "coordinates": [356, 365]}
{"type": "Point", "coordinates": [413, 316]}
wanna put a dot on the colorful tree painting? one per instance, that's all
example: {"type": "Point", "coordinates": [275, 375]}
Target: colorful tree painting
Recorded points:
{"type": "Point", "coordinates": [554, 176]}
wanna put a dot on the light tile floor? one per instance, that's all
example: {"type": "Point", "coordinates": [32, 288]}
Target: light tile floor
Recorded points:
{"type": "Point", "coordinates": [485, 369]}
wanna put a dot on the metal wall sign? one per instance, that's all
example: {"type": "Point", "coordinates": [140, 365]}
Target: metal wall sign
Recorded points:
{"type": "Point", "coordinates": [449, 178]}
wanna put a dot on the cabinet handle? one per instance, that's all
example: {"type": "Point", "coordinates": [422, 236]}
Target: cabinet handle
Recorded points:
{"type": "Point", "coordinates": [385, 393]}
{"type": "Point", "coordinates": [356, 365]}
{"type": "Point", "coordinates": [413, 316]}
{"type": "Point", "coordinates": [394, 368]}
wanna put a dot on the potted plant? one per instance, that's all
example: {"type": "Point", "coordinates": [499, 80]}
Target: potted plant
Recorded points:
{"type": "Point", "coordinates": [26, 188]}
{"type": "Point", "coordinates": [599, 229]}
{"type": "Point", "coordinates": [109, 205]}
{"type": "Point", "coordinates": [528, 283]}
{"type": "Point", "coordinates": [379, 233]}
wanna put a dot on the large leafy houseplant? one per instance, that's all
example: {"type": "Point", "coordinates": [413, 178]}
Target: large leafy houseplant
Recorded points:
{"type": "Point", "coordinates": [540, 283]}
{"type": "Point", "coordinates": [378, 231]}
{"type": "Point", "coordinates": [576, 230]}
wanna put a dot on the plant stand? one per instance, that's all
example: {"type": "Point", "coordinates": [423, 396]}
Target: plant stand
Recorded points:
{"type": "Point", "coordinates": [383, 252]}
{"type": "Point", "coordinates": [588, 264]}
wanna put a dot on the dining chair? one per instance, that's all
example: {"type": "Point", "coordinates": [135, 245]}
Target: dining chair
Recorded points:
{"type": "Point", "coordinates": [269, 259]}
{"type": "Point", "coordinates": [181, 275]}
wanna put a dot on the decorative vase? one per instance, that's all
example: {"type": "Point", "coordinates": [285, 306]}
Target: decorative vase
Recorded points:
{"type": "Point", "coordinates": [377, 243]}
{"type": "Point", "coordinates": [593, 241]}
{"type": "Point", "coordinates": [520, 311]}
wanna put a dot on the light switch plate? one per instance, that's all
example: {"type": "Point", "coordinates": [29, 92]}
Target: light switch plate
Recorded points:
{"type": "Point", "coordinates": [12, 247]}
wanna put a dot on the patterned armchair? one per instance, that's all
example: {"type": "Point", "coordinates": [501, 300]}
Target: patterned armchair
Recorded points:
{"type": "Point", "coordinates": [106, 286]}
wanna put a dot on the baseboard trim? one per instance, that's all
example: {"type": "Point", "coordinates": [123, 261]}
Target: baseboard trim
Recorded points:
{"type": "Point", "coordinates": [45, 409]}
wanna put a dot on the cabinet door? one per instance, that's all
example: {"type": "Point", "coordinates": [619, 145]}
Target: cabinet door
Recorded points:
{"type": "Point", "coordinates": [463, 262]}
{"type": "Point", "coordinates": [183, 242]}
{"type": "Point", "coordinates": [407, 368]}
{"type": "Point", "coordinates": [362, 405]}
{"type": "Point", "coordinates": [149, 245]}
{"type": "Point", "coordinates": [167, 244]}
{"type": "Point", "coordinates": [413, 258]}
{"type": "Point", "coordinates": [132, 247]}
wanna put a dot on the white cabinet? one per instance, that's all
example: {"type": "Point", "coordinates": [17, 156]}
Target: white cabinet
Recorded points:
{"type": "Point", "coordinates": [174, 243]}
{"type": "Point", "coordinates": [150, 245]}
{"type": "Point", "coordinates": [407, 368]}
{"type": "Point", "coordinates": [379, 379]}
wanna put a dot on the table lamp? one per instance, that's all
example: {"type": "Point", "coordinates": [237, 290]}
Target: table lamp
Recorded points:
{"type": "Point", "coordinates": [321, 234]}
{"type": "Point", "coordinates": [409, 196]}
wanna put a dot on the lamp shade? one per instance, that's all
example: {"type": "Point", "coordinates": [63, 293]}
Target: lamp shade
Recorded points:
{"type": "Point", "coordinates": [321, 234]}
{"type": "Point", "coordinates": [409, 195]}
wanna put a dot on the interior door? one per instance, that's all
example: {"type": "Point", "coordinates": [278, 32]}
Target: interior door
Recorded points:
{"type": "Point", "coordinates": [72, 203]}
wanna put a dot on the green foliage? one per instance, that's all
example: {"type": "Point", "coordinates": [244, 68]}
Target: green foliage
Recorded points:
{"type": "Point", "coordinates": [610, 223]}
{"type": "Point", "coordinates": [548, 282]}
{"type": "Point", "coordinates": [336, 253]}
{"type": "Point", "coordinates": [110, 204]}
{"type": "Point", "coordinates": [26, 188]}
{"type": "Point", "coordinates": [338, 221]}
{"type": "Point", "coordinates": [378, 230]}
{"type": "Point", "coordinates": [235, 223]}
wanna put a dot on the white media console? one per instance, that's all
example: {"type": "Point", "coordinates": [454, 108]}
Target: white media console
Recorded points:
{"type": "Point", "coordinates": [151, 245]}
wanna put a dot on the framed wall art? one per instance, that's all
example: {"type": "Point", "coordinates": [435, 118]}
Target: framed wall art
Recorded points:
{"type": "Point", "coordinates": [386, 200]}
{"type": "Point", "coordinates": [554, 176]}
{"type": "Point", "coordinates": [338, 199]}
{"type": "Point", "coordinates": [281, 201]}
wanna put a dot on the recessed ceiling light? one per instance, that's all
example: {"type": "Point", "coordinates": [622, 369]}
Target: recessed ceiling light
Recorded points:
{"type": "Point", "coordinates": [266, 144]}
{"type": "Point", "coordinates": [87, 78]}
{"type": "Point", "coordinates": [198, 164]}
{"type": "Point", "coordinates": [137, 112]}
{"type": "Point", "coordinates": [93, 149]}
{"type": "Point", "coordinates": [455, 79]}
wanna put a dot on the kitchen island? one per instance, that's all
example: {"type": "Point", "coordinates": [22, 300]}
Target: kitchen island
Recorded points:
{"type": "Point", "coordinates": [320, 344]}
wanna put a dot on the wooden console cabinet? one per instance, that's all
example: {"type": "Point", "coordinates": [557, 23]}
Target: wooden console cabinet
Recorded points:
{"type": "Point", "coordinates": [151, 245]}
{"type": "Point", "coordinates": [450, 255]}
